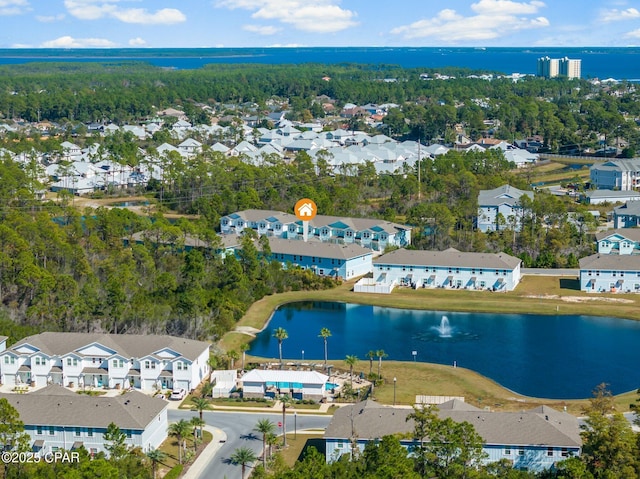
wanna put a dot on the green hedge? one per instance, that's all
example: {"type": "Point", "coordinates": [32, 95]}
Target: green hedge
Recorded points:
{"type": "Point", "coordinates": [175, 472]}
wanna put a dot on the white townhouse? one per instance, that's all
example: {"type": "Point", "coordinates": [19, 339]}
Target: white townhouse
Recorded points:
{"type": "Point", "coordinates": [623, 175]}
{"type": "Point", "coordinates": [533, 440]}
{"type": "Point", "coordinates": [145, 362]}
{"type": "Point", "coordinates": [627, 215]}
{"type": "Point", "coordinates": [344, 261]}
{"type": "Point", "coordinates": [500, 208]}
{"type": "Point", "coordinates": [598, 197]}
{"type": "Point", "coordinates": [56, 418]}
{"type": "Point", "coordinates": [615, 273]}
{"type": "Point", "coordinates": [374, 234]}
{"type": "Point", "coordinates": [450, 269]}
{"type": "Point", "coordinates": [260, 383]}
{"type": "Point", "coordinates": [70, 151]}
{"type": "Point", "coordinates": [622, 241]}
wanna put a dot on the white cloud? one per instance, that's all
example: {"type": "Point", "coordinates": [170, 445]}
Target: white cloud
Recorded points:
{"type": "Point", "coordinates": [616, 15]}
{"type": "Point", "coordinates": [137, 42]}
{"type": "Point", "coordinates": [50, 18]}
{"type": "Point", "coordinates": [14, 7]}
{"type": "Point", "coordinates": [262, 30]}
{"type": "Point", "coordinates": [633, 34]}
{"type": "Point", "coordinates": [493, 19]}
{"type": "Point", "coordinates": [317, 16]}
{"type": "Point", "coordinates": [95, 9]}
{"type": "Point", "coordinates": [506, 7]}
{"type": "Point", "coordinates": [70, 42]}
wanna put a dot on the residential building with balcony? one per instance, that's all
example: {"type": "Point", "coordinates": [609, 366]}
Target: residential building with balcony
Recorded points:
{"type": "Point", "coordinates": [145, 362]}
{"type": "Point", "coordinates": [56, 418]}
{"type": "Point", "coordinates": [374, 234]}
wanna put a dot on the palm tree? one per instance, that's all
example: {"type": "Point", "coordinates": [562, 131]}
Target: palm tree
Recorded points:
{"type": "Point", "coordinates": [324, 334]}
{"type": "Point", "coordinates": [206, 389]}
{"type": "Point", "coordinates": [265, 427]}
{"type": "Point", "coordinates": [200, 405]}
{"type": "Point", "coordinates": [197, 423]}
{"type": "Point", "coordinates": [180, 430]}
{"type": "Point", "coordinates": [244, 348]}
{"type": "Point", "coordinates": [380, 354]}
{"type": "Point", "coordinates": [286, 402]}
{"type": "Point", "coordinates": [156, 456]}
{"type": "Point", "coordinates": [351, 361]}
{"type": "Point", "coordinates": [272, 440]}
{"type": "Point", "coordinates": [243, 456]}
{"type": "Point", "coordinates": [280, 334]}
{"type": "Point", "coordinates": [371, 354]}
{"type": "Point", "coordinates": [232, 355]}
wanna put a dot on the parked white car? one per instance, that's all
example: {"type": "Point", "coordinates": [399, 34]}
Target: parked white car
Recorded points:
{"type": "Point", "coordinates": [178, 394]}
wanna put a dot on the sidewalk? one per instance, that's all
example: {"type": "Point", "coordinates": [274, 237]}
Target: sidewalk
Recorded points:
{"type": "Point", "coordinates": [276, 408]}
{"type": "Point", "coordinates": [195, 470]}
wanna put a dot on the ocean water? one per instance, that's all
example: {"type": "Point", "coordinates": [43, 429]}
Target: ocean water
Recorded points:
{"type": "Point", "coordinates": [597, 62]}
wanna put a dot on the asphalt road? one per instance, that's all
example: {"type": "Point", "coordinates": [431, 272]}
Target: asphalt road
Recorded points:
{"type": "Point", "coordinates": [550, 272]}
{"type": "Point", "coordinates": [239, 429]}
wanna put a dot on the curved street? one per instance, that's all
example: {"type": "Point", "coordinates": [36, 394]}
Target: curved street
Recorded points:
{"type": "Point", "coordinates": [239, 430]}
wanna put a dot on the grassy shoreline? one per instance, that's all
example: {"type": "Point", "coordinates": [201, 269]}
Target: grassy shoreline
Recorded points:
{"type": "Point", "coordinates": [548, 295]}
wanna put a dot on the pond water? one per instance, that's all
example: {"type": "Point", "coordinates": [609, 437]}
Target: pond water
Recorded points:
{"type": "Point", "coordinates": [560, 357]}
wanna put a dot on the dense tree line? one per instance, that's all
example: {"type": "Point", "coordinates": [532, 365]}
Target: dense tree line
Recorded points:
{"type": "Point", "coordinates": [564, 112]}
{"type": "Point", "coordinates": [66, 270]}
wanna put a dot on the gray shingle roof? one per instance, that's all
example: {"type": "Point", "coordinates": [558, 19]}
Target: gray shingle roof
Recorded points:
{"type": "Point", "coordinates": [632, 234]}
{"type": "Point", "coordinates": [615, 262]}
{"type": "Point", "coordinates": [540, 426]}
{"type": "Point", "coordinates": [317, 249]}
{"type": "Point", "coordinates": [504, 194]}
{"type": "Point", "coordinates": [131, 410]}
{"type": "Point", "coordinates": [450, 257]}
{"type": "Point", "coordinates": [127, 345]}
{"type": "Point", "coordinates": [629, 208]}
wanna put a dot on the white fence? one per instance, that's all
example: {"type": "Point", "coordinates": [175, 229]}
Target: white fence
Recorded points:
{"type": "Point", "coordinates": [420, 399]}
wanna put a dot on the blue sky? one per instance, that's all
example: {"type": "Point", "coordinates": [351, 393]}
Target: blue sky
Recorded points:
{"type": "Point", "coordinates": [264, 23]}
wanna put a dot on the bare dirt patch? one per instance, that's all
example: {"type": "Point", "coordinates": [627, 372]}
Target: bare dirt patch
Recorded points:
{"type": "Point", "coordinates": [580, 299]}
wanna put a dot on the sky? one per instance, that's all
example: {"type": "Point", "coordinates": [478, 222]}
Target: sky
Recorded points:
{"type": "Point", "coordinates": [281, 23]}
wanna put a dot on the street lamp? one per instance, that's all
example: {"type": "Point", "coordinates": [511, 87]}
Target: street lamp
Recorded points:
{"type": "Point", "coordinates": [394, 390]}
{"type": "Point", "coordinates": [303, 354]}
{"type": "Point", "coordinates": [295, 425]}
{"type": "Point", "coordinates": [414, 353]}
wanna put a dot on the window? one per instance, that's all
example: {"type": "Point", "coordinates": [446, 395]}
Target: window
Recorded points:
{"type": "Point", "coordinates": [52, 430]}
{"type": "Point", "coordinates": [507, 450]}
{"type": "Point", "coordinates": [37, 360]}
{"type": "Point", "coordinates": [153, 364]}
{"type": "Point", "coordinates": [93, 451]}
{"type": "Point", "coordinates": [147, 364]}
{"type": "Point", "coordinates": [521, 451]}
{"type": "Point", "coordinates": [565, 452]}
{"type": "Point", "coordinates": [549, 452]}
{"type": "Point", "coordinates": [39, 430]}
{"type": "Point", "coordinates": [78, 432]}
{"type": "Point", "coordinates": [179, 366]}
{"type": "Point", "coordinates": [128, 433]}
{"type": "Point", "coordinates": [90, 432]}
{"type": "Point", "coordinates": [55, 448]}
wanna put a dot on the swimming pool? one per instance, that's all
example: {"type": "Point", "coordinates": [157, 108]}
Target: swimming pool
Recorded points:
{"type": "Point", "coordinates": [330, 386]}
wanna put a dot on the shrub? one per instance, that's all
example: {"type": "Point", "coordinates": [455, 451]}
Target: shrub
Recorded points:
{"type": "Point", "coordinates": [175, 472]}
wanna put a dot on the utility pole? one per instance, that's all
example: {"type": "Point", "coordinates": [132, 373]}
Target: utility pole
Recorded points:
{"type": "Point", "coordinates": [419, 169]}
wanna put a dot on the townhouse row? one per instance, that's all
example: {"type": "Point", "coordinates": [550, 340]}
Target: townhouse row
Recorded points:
{"type": "Point", "coordinates": [144, 362]}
